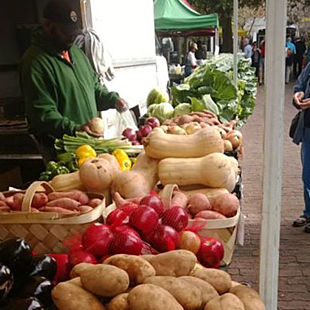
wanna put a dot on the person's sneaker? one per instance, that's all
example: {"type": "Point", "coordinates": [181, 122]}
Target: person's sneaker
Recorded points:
{"type": "Point", "coordinates": [301, 221]}
{"type": "Point", "coordinates": [307, 228]}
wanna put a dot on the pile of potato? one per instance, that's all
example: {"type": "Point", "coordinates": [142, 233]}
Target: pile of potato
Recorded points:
{"type": "Point", "coordinates": [170, 280]}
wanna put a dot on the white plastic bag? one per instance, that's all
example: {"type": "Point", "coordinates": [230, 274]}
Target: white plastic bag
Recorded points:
{"type": "Point", "coordinates": [124, 120]}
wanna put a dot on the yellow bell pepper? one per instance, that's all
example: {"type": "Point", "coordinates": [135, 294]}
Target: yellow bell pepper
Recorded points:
{"type": "Point", "coordinates": [85, 152]}
{"type": "Point", "coordinates": [123, 159]}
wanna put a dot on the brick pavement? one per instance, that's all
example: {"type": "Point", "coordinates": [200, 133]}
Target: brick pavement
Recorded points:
{"type": "Point", "coordinates": [294, 275]}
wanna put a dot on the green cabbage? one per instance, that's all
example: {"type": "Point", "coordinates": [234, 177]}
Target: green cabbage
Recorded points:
{"type": "Point", "coordinates": [183, 108]}
{"type": "Point", "coordinates": [162, 111]}
{"type": "Point", "coordinates": [156, 96]}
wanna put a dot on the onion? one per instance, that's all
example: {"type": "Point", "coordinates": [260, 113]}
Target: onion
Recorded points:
{"type": "Point", "coordinates": [153, 201]}
{"type": "Point", "coordinates": [175, 217]}
{"type": "Point", "coordinates": [152, 121]}
{"type": "Point", "coordinates": [235, 137]}
{"type": "Point", "coordinates": [135, 142]}
{"type": "Point", "coordinates": [139, 136]}
{"type": "Point", "coordinates": [189, 241]}
{"type": "Point", "coordinates": [126, 243]}
{"type": "Point", "coordinates": [96, 125]}
{"type": "Point", "coordinates": [116, 217]}
{"type": "Point", "coordinates": [145, 130]}
{"type": "Point", "coordinates": [97, 239]}
{"type": "Point", "coordinates": [130, 134]}
{"type": "Point", "coordinates": [165, 238]}
{"type": "Point", "coordinates": [211, 252]}
{"type": "Point", "coordinates": [80, 256]}
{"type": "Point", "coordinates": [228, 146]}
{"type": "Point", "coordinates": [145, 219]}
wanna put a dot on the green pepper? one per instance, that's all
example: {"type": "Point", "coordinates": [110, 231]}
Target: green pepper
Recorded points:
{"type": "Point", "coordinates": [65, 157]}
{"type": "Point", "coordinates": [62, 170]}
{"type": "Point", "coordinates": [51, 166]}
{"type": "Point", "coordinates": [45, 176]}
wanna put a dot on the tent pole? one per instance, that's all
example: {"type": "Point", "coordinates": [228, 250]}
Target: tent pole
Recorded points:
{"type": "Point", "coordinates": [273, 152]}
{"type": "Point", "coordinates": [236, 42]}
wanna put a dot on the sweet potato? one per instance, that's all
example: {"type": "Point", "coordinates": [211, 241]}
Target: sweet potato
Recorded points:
{"type": "Point", "coordinates": [2, 197]}
{"type": "Point", "coordinates": [58, 210]}
{"type": "Point", "coordinates": [17, 201]}
{"type": "Point", "coordinates": [77, 195]}
{"type": "Point", "coordinates": [85, 209]}
{"type": "Point", "coordinates": [210, 215]}
{"type": "Point", "coordinates": [94, 202]}
{"type": "Point", "coordinates": [4, 208]}
{"type": "Point", "coordinates": [34, 210]}
{"type": "Point", "coordinates": [3, 204]}
{"type": "Point", "coordinates": [179, 199]}
{"type": "Point", "coordinates": [9, 201]}
{"type": "Point", "coordinates": [226, 204]}
{"type": "Point", "coordinates": [198, 202]}
{"type": "Point", "coordinates": [39, 200]}
{"type": "Point", "coordinates": [65, 203]}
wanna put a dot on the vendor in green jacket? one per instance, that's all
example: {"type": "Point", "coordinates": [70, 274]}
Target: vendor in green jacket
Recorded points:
{"type": "Point", "coordinates": [61, 90]}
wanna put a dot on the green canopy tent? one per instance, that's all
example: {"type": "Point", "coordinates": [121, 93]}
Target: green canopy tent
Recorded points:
{"type": "Point", "coordinates": [174, 17]}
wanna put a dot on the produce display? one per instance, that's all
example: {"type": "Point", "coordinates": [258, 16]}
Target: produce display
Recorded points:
{"type": "Point", "coordinates": [211, 87]}
{"type": "Point", "coordinates": [172, 280]}
{"type": "Point", "coordinates": [72, 202]}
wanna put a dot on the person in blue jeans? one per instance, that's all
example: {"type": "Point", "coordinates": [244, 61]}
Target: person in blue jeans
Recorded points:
{"type": "Point", "coordinates": [301, 100]}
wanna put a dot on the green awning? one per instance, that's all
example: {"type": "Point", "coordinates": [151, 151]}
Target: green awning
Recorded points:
{"type": "Point", "coordinates": [176, 15]}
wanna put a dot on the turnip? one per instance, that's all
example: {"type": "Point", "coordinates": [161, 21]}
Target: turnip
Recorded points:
{"type": "Point", "coordinates": [96, 125]}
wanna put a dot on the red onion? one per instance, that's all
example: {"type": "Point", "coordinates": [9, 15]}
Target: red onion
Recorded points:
{"type": "Point", "coordinates": [130, 134]}
{"type": "Point", "coordinates": [81, 256]}
{"type": "Point", "coordinates": [126, 230]}
{"type": "Point", "coordinates": [145, 219]}
{"type": "Point", "coordinates": [165, 238]}
{"type": "Point", "coordinates": [125, 243]}
{"type": "Point", "coordinates": [135, 142]}
{"type": "Point", "coordinates": [211, 252]}
{"type": "Point", "coordinates": [154, 202]}
{"type": "Point", "coordinates": [63, 267]}
{"type": "Point", "coordinates": [116, 217]}
{"type": "Point", "coordinates": [145, 130]}
{"type": "Point", "coordinates": [152, 121]}
{"type": "Point", "coordinates": [175, 217]}
{"type": "Point", "coordinates": [97, 239]}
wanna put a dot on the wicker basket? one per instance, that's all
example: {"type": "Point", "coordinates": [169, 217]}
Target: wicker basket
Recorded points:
{"type": "Point", "coordinates": [224, 230]}
{"type": "Point", "coordinates": [45, 231]}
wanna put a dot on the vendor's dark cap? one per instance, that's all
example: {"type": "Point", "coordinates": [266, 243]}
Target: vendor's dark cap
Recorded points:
{"type": "Point", "coordinates": [63, 13]}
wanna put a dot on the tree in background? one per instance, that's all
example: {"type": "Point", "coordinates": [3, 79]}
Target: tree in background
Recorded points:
{"type": "Point", "coordinates": [224, 8]}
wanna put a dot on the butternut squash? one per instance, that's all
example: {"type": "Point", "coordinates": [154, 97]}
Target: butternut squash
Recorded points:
{"type": "Point", "coordinates": [213, 170]}
{"type": "Point", "coordinates": [67, 182]}
{"type": "Point", "coordinates": [97, 174]}
{"type": "Point", "coordinates": [139, 181]}
{"type": "Point", "coordinates": [160, 145]}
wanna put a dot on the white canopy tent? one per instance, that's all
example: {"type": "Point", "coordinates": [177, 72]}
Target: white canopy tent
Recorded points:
{"type": "Point", "coordinates": [273, 146]}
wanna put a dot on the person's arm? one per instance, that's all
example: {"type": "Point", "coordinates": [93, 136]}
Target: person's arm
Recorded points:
{"type": "Point", "coordinates": [104, 99]}
{"type": "Point", "coordinates": [40, 97]}
{"type": "Point", "coordinates": [300, 87]}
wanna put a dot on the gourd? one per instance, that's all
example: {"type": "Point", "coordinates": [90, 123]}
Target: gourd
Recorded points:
{"type": "Point", "coordinates": [67, 182]}
{"type": "Point", "coordinates": [98, 174]}
{"type": "Point", "coordinates": [213, 170]}
{"type": "Point", "coordinates": [160, 145]}
{"type": "Point", "coordinates": [139, 181]}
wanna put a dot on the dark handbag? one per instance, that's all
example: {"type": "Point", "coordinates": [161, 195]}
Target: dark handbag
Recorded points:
{"type": "Point", "coordinates": [294, 124]}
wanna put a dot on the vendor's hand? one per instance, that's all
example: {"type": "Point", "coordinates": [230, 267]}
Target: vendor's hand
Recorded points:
{"type": "Point", "coordinates": [305, 104]}
{"type": "Point", "coordinates": [121, 105]}
{"type": "Point", "coordinates": [298, 97]}
{"type": "Point", "coordinates": [86, 129]}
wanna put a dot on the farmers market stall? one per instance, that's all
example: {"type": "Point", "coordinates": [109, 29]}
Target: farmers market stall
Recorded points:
{"type": "Point", "coordinates": [168, 192]}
